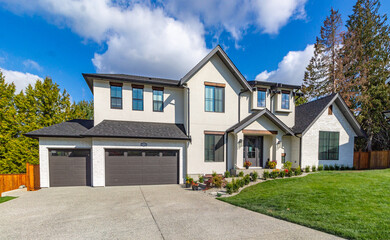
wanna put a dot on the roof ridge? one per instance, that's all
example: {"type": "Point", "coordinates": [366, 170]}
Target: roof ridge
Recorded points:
{"type": "Point", "coordinates": [318, 99]}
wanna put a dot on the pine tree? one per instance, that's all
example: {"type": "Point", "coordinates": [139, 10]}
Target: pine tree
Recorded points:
{"type": "Point", "coordinates": [321, 74]}
{"type": "Point", "coordinates": [366, 62]}
{"type": "Point", "coordinates": [82, 110]}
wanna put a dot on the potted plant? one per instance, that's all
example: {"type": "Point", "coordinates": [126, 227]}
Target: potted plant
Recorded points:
{"type": "Point", "coordinates": [247, 164]}
{"type": "Point", "coordinates": [272, 164]}
{"type": "Point", "coordinates": [189, 181]}
{"type": "Point", "coordinates": [195, 185]}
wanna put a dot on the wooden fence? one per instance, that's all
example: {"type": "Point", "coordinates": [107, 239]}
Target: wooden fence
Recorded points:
{"type": "Point", "coordinates": [371, 160]}
{"type": "Point", "coordinates": [30, 179]}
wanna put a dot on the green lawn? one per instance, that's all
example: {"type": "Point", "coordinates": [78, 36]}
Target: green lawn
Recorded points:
{"type": "Point", "coordinates": [353, 204]}
{"type": "Point", "coordinates": [4, 199]}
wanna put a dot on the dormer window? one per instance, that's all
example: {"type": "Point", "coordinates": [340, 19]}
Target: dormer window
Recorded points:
{"type": "Point", "coordinates": [261, 97]}
{"type": "Point", "coordinates": [285, 99]}
{"type": "Point", "coordinates": [116, 95]}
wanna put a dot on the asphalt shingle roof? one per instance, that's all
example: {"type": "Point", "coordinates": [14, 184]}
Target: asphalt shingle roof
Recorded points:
{"type": "Point", "coordinates": [130, 129]}
{"type": "Point", "coordinates": [306, 113]}
{"type": "Point", "coordinates": [72, 128]}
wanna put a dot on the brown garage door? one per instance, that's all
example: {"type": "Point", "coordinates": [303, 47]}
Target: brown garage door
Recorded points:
{"type": "Point", "coordinates": [69, 167]}
{"type": "Point", "coordinates": [141, 167]}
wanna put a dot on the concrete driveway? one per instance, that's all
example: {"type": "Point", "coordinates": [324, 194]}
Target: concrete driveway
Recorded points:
{"type": "Point", "coordinates": [147, 212]}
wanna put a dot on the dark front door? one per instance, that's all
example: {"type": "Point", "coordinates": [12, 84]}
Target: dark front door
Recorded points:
{"type": "Point", "coordinates": [253, 150]}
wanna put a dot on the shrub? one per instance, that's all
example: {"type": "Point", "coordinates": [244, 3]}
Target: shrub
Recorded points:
{"type": "Point", "coordinates": [320, 167]}
{"type": "Point", "coordinates": [336, 167]}
{"type": "Point", "coordinates": [347, 168]}
{"type": "Point", "coordinates": [313, 168]}
{"type": "Point", "coordinates": [282, 174]}
{"type": "Point", "coordinates": [289, 173]}
{"type": "Point", "coordinates": [201, 179]}
{"type": "Point", "coordinates": [247, 179]}
{"type": "Point", "coordinates": [217, 181]}
{"type": "Point", "coordinates": [266, 174]}
{"type": "Point", "coordinates": [271, 164]}
{"type": "Point", "coordinates": [298, 171]}
{"type": "Point", "coordinates": [254, 176]}
{"type": "Point", "coordinates": [326, 167]}
{"type": "Point", "coordinates": [227, 174]}
{"type": "Point", "coordinates": [229, 188]}
{"type": "Point", "coordinates": [287, 165]}
{"type": "Point", "coordinates": [331, 167]}
{"type": "Point", "coordinates": [342, 167]}
{"type": "Point", "coordinates": [241, 182]}
{"type": "Point", "coordinates": [274, 174]}
{"type": "Point", "coordinates": [235, 185]}
{"type": "Point", "coordinates": [241, 174]}
{"type": "Point", "coordinates": [353, 168]}
{"type": "Point", "coordinates": [307, 169]}
{"type": "Point", "coordinates": [214, 174]}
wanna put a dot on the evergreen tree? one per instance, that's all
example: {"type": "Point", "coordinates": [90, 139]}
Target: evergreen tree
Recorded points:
{"type": "Point", "coordinates": [366, 58]}
{"type": "Point", "coordinates": [82, 110]}
{"type": "Point", "coordinates": [321, 74]}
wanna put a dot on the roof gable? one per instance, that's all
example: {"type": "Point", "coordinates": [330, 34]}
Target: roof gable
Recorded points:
{"type": "Point", "coordinates": [226, 60]}
{"type": "Point", "coordinates": [307, 114]}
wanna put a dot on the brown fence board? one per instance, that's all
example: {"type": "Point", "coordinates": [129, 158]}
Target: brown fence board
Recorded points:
{"type": "Point", "coordinates": [30, 179]}
{"type": "Point", "coordinates": [371, 160]}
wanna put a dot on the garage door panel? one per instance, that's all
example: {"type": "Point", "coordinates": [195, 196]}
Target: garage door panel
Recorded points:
{"type": "Point", "coordinates": [141, 167]}
{"type": "Point", "coordinates": [70, 167]}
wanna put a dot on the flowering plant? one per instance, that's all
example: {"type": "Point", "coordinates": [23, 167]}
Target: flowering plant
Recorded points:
{"type": "Point", "coordinates": [286, 170]}
{"type": "Point", "coordinates": [247, 164]}
{"type": "Point", "coordinates": [271, 164]}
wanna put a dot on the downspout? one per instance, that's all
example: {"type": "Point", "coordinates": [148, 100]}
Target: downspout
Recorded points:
{"type": "Point", "coordinates": [227, 151]}
{"type": "Point", "coordinates": [300, 152]}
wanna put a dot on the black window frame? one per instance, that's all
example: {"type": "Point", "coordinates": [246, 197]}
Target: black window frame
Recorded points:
{"type": "Point", "coordinates": [262, 90]}
{"type": "Point", "coordinates": [137, 99]}
{"type": "Point", "coordinates": [214, 100]}
{"type": "Point", "coordinates": [157, 89]}
{"type": "Point", "coordinates": [116, 85]}
{"type": "Point", "coordinates": [328, 147]}
{"type": "Point", "coordinates": [288, 100]}
{"type": "Point", "coordinates": [218, 142]}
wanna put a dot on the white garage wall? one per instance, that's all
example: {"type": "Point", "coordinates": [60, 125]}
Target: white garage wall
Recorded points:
{"type": "Point", "coordinates": [56, 143]}
{"type": "Point", "coordinates": [100, 144]}
{"type": "Point", "coordinates": [336, 123]}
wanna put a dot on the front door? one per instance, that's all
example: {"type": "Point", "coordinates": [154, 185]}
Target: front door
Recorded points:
{"type": "Point", "coordinates": [253, 150]}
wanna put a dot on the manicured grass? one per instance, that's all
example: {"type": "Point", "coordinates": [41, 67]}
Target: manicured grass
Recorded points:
{"type": "Point", "coordinates": [350, 204]}
{"type": "Point", "coordinates": [4, 199]}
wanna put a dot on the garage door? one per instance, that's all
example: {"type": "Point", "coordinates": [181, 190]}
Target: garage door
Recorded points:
{"type": "Point", "coordinates": [141, 167]}
{"type": "Point", "coordinates": [69, 167]}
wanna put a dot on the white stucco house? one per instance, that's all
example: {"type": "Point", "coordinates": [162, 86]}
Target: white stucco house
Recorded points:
{"type": "Point", "coordinates": [156, 131]}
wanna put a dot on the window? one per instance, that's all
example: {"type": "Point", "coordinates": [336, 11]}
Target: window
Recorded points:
{"type": "Point", "coordinates": [158, 99]}
{"type": "Point", "coordinates": [285, 100]}
{"type": "Point", "coordinates": [214, 148]}
{"type": "Point", "coordinates": [214, 99]}
{"type": "Point", "coordinates": [261, 96]}
{"type": "Point", "coordinates": [330, 110]}
{"type": "Point", "coordinates": [328, 148]}
{"type": "Point", "coordinates": [116, 95]}
{"type": "Point", "coordinates": [138, 97]}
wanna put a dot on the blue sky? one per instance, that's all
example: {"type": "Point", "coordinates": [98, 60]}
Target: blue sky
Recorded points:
{"type": "Point", "coordinates": [267, 40]}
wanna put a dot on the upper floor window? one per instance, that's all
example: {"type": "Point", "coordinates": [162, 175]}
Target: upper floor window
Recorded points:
{"type": "Point", "coordinates": [261, 97]}
{"type": "Point", "coordinates": [116, 95]}
{"type": "Point", "coordinates": [214, 97]}
{"type": "Point", "coordinates": [214, 148]}
{"type": "Point", "coordinates": [328, 148]}
{"type": "Point", "coordinates": [138, 97]}
{"type": "Point", "coordinates": [285, 100]}
{"type": "Point", "coordinates": [158, 99]}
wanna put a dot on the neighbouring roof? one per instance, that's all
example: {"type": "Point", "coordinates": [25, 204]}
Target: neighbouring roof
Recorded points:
{"type": "Point", "coordinates": [254, 116]}
{"type": "Point", "coordinates": [308, 113]}
{"type": "Point", "coordinates": [226, 60]}
{"type": "Point", "coordinates": [130, 129]}
{"type": "Point", "coordinates": [72, 128]}
{"type": "Point", "coordinates": [273, 84]}
{"type": "Point", "coordinates": [129, 78]}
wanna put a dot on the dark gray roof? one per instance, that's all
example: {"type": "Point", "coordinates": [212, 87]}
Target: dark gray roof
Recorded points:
{"type": "Point", "coordinates": [130, 78]}
{"type": "Point", "coordinates": [307, 113]}
{"type": "Point", "coordinates": [130, 129]}
{"type": "Point", "coordinates": [72, 128]}
{"type": "Point", "coordinates": [255, 115]}
{"type": "Point", "coordinates": [273, 84]}
{"type": "Point", "coordinates": [226, 60]}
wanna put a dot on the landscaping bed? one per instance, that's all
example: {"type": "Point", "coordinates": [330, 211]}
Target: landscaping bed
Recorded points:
{"type": "Point", "coordinates": [350, 204]}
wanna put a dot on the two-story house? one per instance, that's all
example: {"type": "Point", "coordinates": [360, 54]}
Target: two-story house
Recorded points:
{"type": "Point", "coordinates": [157, 131]}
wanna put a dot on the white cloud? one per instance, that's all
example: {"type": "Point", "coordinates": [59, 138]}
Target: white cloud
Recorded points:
{"type": "Point", "coordinates": [30, 64]}
{"type": "Point", "coordinates": [291, 69]}
{"type": "Point", "coordinates": [20, 79]}
{"type": "Point", "coordinates": [139, 39]}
